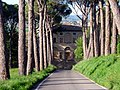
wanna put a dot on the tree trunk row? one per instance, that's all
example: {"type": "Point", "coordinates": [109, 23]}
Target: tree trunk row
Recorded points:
{"type": "Point", "coordinates": [101, 28]}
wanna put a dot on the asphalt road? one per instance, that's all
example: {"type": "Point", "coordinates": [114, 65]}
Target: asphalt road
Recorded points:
{"type": "Point", "coordinates": [67, 80]}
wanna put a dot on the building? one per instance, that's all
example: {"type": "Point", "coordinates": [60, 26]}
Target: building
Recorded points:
{"type": "Point", "coordinates": [64, 41]}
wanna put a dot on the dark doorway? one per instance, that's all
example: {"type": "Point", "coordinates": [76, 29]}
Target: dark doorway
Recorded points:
{"type": "Point", "coordinates": [67, 55]}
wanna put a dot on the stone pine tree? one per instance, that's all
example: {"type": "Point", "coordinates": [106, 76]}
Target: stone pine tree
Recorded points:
{"type": "Point", "coordinates": [49, 37]}
{"type": "Point", "coordinates": [48, 45]}
{"type": "Point", "coordinates": [91, 32]}
{"type": "Point", "coordinates": [35, 46]}
{"type": "Point", "coordinates": [21, 41]}
{"type": "Point", "coordinates": [49, 23]}
{"type": "Point", "coordinates": [34, 26]}
{"type": "Point", "coordinates": [84, 29]}
{"type": "Point", "coordinates": [30, 36]}
{"type": "Point", "coordinates": [40, 5]}
{"type": "Point", "coordinates": [35, 41]}
{"type": "Point", "coordinates": [4, 70]}
{"type": "Point", "coordinates": [96, 40]}
{"type": "Point", "coordinates": [114, 38]}
{"type": "Point", "coordinates": [116, 13]}
{"type": "Point", "coordinates": [51, 43]}
{"type": "Point", "coordinates": [102, 28]}
{"type": "Point", "coordinates": [107, 29]}
{"type": "Point", "coordinates": [44, 36]}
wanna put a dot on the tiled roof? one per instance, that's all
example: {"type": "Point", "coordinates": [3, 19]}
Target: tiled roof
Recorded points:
{"type": "Point", "coordinates": [64, 28]}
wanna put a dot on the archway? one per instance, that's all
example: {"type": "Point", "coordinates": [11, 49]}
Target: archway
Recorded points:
{"type": "Point", "coordinates": [67, 53]}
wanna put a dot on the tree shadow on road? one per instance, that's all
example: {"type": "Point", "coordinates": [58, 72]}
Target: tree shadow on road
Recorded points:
{"type": "Point", "coordinates": [64, 64]}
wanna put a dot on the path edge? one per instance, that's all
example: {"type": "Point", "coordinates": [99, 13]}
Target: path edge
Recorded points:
{"type": "Point", "coordinates": [91, 80]}
{"type": "Point", "coordinates": [37, 88]}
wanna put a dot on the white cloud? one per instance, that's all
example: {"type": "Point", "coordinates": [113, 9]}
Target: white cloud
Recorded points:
{"type": "Point", "coordinates": [11, 1]}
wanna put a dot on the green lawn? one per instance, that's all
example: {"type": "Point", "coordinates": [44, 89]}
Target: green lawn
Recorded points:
{"type": "Point", "coordinates": [24, 82]}
{"type": "Point", "coordinates": [104, 70]}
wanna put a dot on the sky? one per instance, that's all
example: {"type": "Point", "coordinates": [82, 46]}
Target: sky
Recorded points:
{"type": "Point", "coordinates": [17, 1]}
{"type": "Point", "coordinates": [11, 1]}
{"type": "Point", "coordinates": [73, 11]}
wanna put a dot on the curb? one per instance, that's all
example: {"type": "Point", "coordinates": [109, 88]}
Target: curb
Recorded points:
{"type": "Point", "coordinates": [91, 80]}
{"type": "Point", "coordinates": [38, 87]}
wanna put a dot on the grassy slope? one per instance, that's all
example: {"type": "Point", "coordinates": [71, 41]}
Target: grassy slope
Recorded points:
{"type": "Point", "coordinates": [104, 70]}
{"type": "Point", "coordinates": [24, 82]}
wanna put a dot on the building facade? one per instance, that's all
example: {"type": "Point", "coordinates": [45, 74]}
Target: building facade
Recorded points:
{"type": "Point", "coordinates": [64, 41]}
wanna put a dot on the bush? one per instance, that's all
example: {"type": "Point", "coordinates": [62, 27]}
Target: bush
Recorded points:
{"type": "Point", "coordinates": [79, 50]}
{"type": "Point", "coordinates": [24, 82]}
{"type": "Point", "coordinates": [104, 70]}
{"type": "Point", "coordinates": [118, 44]}
{"type": "Point", "coordinates": [118, 48]}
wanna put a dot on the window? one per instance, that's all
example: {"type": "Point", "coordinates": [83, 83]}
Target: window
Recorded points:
{"type": "Point", "coordinates": [61, 33]}
{"type": "Point", "coordinates": [54, 40]}
{"type": "Point", "coordinates": [74, 39]}
{"type": "Point", "coordinates": [61, 40]}
{"type": "Point", "coordinates": [68, 38]}
{"type": "Point", "coordinates": [74, 33]}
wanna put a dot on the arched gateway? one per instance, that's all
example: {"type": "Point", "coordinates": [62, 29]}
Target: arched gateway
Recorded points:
{"type": "Point", "coordinates": [63, 57]}
{"type": "Point", "coordinates": [63, 53]}
{"type": "Point", "coordinates": [68, 53]}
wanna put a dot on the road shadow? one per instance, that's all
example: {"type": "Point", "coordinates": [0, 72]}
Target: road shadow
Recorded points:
{"type": "Point", "coordinates": [64, 64]}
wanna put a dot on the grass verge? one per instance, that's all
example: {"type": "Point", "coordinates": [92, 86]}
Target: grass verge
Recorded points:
{"type": "Point", "coordinates": [24, 82]}
{"type": "Point", "coordinates": [105, 70]}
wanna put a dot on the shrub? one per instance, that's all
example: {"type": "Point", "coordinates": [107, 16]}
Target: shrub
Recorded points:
{"type": "Point", "coordinates": [118, 48]}
{"type": "Point", "coordinates": [79, 50]}
{"type": "Point", "coordinates": [24, 82]}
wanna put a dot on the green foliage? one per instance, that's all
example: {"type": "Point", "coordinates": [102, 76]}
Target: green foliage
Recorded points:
{"type": "Point", "coordinates": [79, 50]}
{"type": "Point", "coordinates": [24, 82]}
{"type": "Point", "coordinates": [118, 48]}
{"type": "Point", "coordinates": [118, 44]}
{"type": "Point", "coordinates": [56, 10]}
{"type": "Point", "coordinates": [104, 70]}
{"type": "Point", "coordinates": [10, 13]}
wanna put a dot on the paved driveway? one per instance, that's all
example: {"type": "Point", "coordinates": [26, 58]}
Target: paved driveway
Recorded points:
{"type": "Point", "coordinates": [68, 80]}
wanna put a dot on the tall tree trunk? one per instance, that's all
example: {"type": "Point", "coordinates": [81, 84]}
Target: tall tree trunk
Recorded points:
{"type": "Point", "coordinates": [50, 23]}
{"type": "Point", "coordinates": [107, 29]}
{"type": "Point", "coordinates": [36, 52]}
{"type": "Point", "coordinates": [41, 13]}
{"type": "Point", "coordinates": [84, 37]}
{"type": "Point", "coordinates": [50, 43]}
{"type": "Point", "coordinates": [91, 32]}
{"type": "Point", "coordinates": [96, 39]}
{"type": "Point", "coordinates": [21, 41]}
{"type": "Point", "coordinates": [44, 39]}
{"type": "Point", "coordinates": [48, 49]}
{"type": "Point", "coordinates": [84, 44]}
{"type": "Point", "coordinates": [4, 70]}
{"type": "Point", "coordinates": [102, 27]}
{"type": "Point", "coordinates": [114, 38]}
{"type": "Point", "coordinates": [10, 50]}
{"type": "Point", "coordinates": [116, 13]}
{"type": "Point", "coordinates": [30, 37]}
{"type": "Point", "coordinates": [41, 40]}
